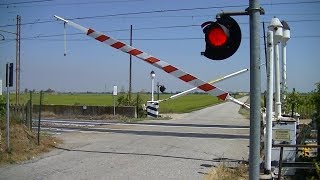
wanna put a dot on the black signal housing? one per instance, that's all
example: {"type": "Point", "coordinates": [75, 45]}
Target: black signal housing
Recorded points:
{"type": "Point", "coordinates": [222, 37]}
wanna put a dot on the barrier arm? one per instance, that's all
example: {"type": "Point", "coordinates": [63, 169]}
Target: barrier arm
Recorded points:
{"type": "Point", "coordinates": [210, 82]}
{"type": "Point", "coordinates": [170, 69]}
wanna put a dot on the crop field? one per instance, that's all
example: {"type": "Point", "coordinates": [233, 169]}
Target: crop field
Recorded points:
{"type": "Point", "coordinates": [183, 104]}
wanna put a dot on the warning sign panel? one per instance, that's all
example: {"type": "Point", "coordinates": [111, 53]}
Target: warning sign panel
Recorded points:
{"type": "Point", "coordinates": [282, 135]}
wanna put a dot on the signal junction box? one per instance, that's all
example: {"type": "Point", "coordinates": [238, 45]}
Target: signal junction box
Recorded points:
{"type": "Point", "coordinates": [284, 132]}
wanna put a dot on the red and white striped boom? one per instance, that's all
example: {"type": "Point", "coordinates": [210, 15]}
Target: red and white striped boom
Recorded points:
{"type": "Point", "coordinates": [174, 71]}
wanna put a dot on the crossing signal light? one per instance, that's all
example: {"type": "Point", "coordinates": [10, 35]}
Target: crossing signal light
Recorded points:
{"type": "Point", "coordinates": [162, 88]}
{"type": "Point", "coordinates": [223, 38]}
{"type": "Point", "coordinates": [9, 74]}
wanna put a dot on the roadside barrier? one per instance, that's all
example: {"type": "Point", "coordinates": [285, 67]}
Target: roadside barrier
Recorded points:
{"type": "Point", "coordinates": [152, 109]}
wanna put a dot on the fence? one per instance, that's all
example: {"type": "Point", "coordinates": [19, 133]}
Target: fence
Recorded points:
{"type": "Point", "coordinates": [22, 114]}
{"type": "Point", "coordinates": [297, 165]}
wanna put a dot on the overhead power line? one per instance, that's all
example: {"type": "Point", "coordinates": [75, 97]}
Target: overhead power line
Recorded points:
{"type": "Point", "coordinates": [165, 11]}
{"type": "Point", "coordinates": [158, 11]}
{"type": "Point", "coordinates": [29, 23]}
{"type": "Point", "coordinates": [142, 28]}
{"type": "Point", "coordinates": [121, 1]}
{"type": "Point", "coordinates": [146, 39]}
{"type": "Point", "coordinates": [81, 3]}
{"type": "Point", "coordinates": [8, 32]}
{"type": "Point", "coordinates": [290, 3]}
{"type": "Point", "coordinates": [24, 2]}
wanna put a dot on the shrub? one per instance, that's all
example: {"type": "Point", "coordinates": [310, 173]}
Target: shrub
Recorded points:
{"type": "Point", "coordinates": [2, 106]}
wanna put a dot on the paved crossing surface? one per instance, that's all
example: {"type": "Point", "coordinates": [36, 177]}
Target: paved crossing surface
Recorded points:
{"type": "Point", "coordinates": [181, 148]}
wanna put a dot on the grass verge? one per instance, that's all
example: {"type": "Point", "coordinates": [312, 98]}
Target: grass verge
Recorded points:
{"type": "Point", "coordinates": [23, 144]}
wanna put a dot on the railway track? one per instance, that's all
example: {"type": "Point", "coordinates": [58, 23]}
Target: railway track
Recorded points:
{"type": "Point", "coordinates": [73, 125]}
{"type": "Point", "coordinates": [146, 128]}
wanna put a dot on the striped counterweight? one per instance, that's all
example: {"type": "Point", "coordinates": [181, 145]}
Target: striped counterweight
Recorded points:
{"type": "Point", "coordinates": [152, 109]}
{"type": "Point", "coordinates": [174, 71]}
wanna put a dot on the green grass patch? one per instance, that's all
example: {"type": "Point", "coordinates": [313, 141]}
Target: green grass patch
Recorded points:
{"type": "Point", "coordinates": [182, 104]}
{"type": "Point", "coordinates": [188, 103]}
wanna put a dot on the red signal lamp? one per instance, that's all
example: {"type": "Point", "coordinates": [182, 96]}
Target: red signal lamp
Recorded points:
{"type": "Point", "coordinates": [217, 37]}
{"type": "Point", "coordinates": [222, 37]}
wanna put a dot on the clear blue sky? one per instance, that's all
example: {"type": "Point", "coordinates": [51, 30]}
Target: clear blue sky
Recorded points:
{"type": "Point", "coordinates": [93, 66]}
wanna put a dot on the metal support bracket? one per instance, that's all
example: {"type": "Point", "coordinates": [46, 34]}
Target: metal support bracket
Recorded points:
{"type": "Point", "coordinates": [239, 13]}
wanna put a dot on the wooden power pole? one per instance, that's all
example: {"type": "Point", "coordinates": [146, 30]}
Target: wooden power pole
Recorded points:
{"type": "Point", "coordinates": [130, 68]}
{"type": "Point", "coordinates": [18, 60]}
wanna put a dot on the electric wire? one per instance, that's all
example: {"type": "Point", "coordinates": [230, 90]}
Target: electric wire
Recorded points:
{"type": "Point", "coordinates": [142, 28]}
{"type": "Point", "coordinates": [148, 39]}
{"type": "Point", "coordinates": [97, 2]}
{"type": "Point", "coordinates": [79, 3]}
{"type": "Point", "coordinates": [164, 11]}
{"type": "Point", "coordinates": [24, 2]}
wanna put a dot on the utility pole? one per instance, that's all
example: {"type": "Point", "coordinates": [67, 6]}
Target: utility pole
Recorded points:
{"type": "Point", "coordinates": [130, 67]}
{"type": "Point", "coordinates": [18, 60]}
{"type": "Point", "coordinates": [255, 89]}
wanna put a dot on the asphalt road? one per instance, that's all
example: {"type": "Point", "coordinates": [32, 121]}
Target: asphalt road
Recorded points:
{"type": "Point", "coordinates": [182, 148]}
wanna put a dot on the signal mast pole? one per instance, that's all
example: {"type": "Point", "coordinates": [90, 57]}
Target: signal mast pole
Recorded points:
{"type": "Point", "coordinates": [254, 12]}
{"type": "Point", "coordinates": [255, 89]}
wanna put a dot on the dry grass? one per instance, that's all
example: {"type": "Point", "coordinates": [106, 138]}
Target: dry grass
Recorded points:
{"type": "Point", "coordinates": [222, 172]}
{"type": "Point", "coordinates": [23, 144]}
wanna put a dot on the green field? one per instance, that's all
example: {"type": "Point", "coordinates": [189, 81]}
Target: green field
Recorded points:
{"type": "Point", "coordinates": [183, 104]}
{"type": "Point", "coordinates": [188, 103]}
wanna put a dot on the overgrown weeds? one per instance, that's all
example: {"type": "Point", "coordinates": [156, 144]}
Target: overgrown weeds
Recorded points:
{"type": "Point", "coordinates": [23, 144]}
{"type": "Point", "coordinates": [222, 172]}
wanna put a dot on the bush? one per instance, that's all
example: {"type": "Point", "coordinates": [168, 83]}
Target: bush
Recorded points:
{"type": "Point", "coordinates": [316, 101]}
{"type": "Point", "coordinates": [123, 100]}
{"type": "Point", "coordinates": [2, 106]}
{"type": "Point", "coordinates": [302, 103]}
